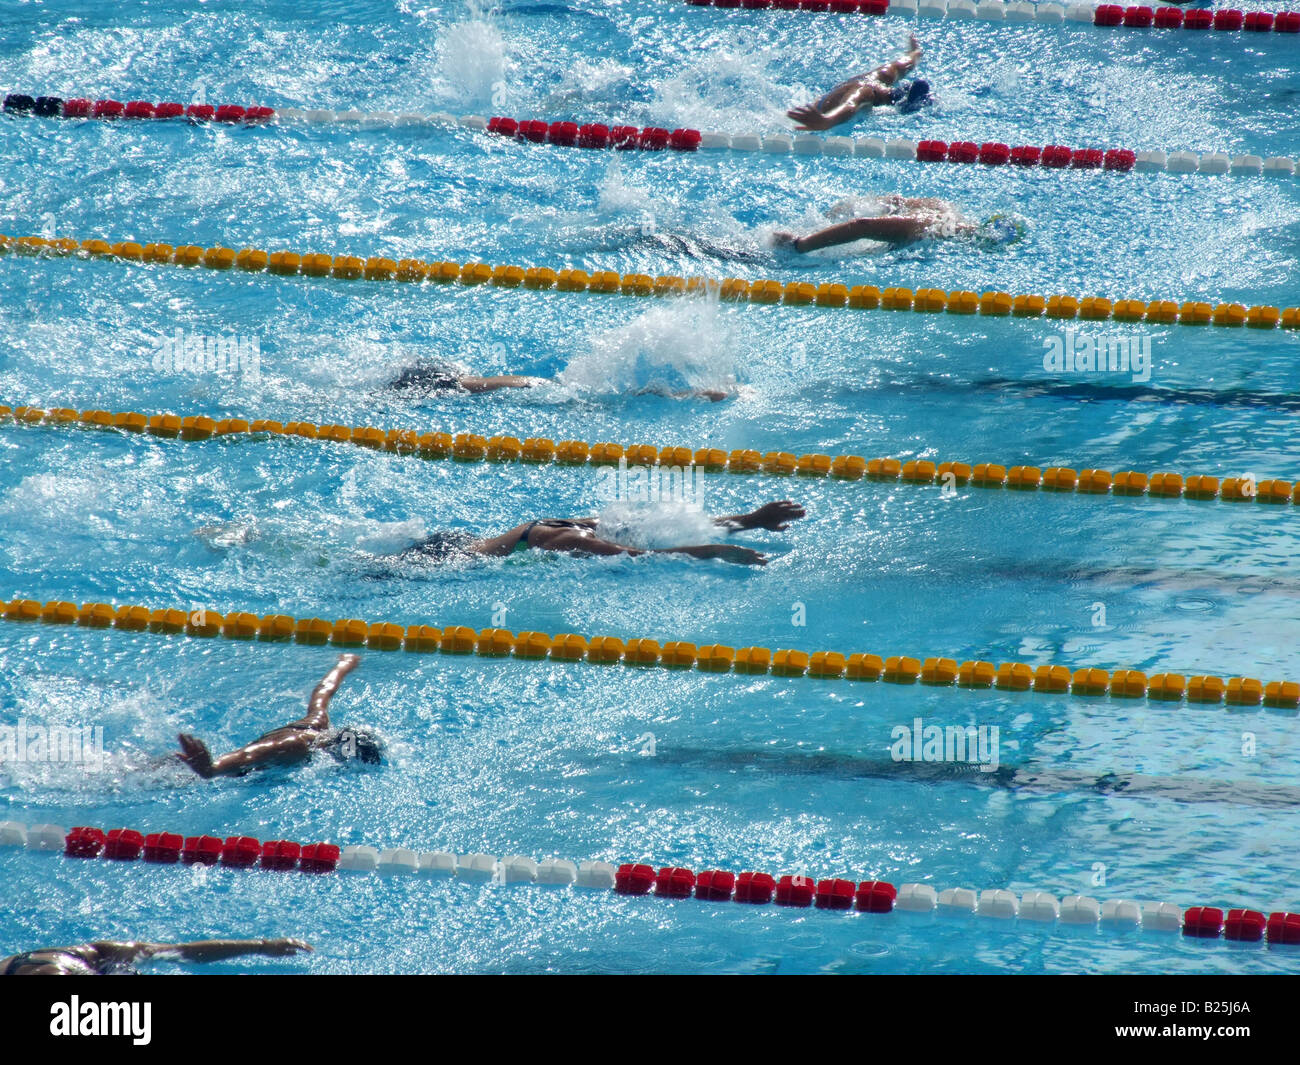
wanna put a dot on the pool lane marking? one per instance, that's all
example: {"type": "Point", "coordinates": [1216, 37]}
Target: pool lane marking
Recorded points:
{"type": "Point", "coordinates": [598, 135]}
{"type": "Point", "coordinates": [1037, 909]}
{"type": "Point", "coordinates": [616, 460]}
{"type": "Point", "coordinates": [459, 641]}
{"type": "Point", "coordinates": [510, 278]}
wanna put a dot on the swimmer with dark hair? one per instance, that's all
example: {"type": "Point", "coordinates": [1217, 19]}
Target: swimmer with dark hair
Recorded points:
{"type": "Point", "coordinates": [431, 378]}
{"type": "Point", "coordinates": [578, 536]}
{"type": "Point", "coordinates": [292, 743]}
{"type": "Point", "coordinates": [878, 88]}
{"type": "Point", "coordinates": [901, 220]}
{"type": "Point", "coordinates": [113, 959]}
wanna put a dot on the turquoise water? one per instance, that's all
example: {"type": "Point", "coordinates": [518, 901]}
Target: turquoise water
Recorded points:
{"type": "Point", "coordinates": [765, 773]}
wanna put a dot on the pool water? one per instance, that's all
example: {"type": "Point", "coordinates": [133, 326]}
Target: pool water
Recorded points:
{"type": "Point", "coordinates": [777, 774]}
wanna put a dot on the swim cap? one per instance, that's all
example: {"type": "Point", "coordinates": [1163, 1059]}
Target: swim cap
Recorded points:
{"type": "Point", "coordinates": [1001, 230]}
{"type": "Point", "coordinates": [360, 744]}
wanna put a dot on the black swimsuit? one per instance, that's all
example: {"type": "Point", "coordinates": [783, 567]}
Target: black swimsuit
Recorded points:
{"type": "Point", "coordinates": [550, 523]}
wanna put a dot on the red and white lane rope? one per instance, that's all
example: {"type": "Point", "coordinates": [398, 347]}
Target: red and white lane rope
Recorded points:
{"type": "Point", "coordinates": [1110, 16]}
{"type": "Point", "coordinates": [797, 890]}
{"type": "Point", "coordinates": [599, 135]}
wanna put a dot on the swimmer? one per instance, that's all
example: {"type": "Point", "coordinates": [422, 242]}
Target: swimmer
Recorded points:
{"type": "Point", "coordinates": [291, 743]}
{"type": "Point", "coordinates": [114, 959]}
{"type": "Point", "coordinates": [879, 88]}
{"type": "Point", "coordinates": [904, 220]}
{"type": "Point", "coordinates": [432, 378]}
{"type": "Point", "coordinates": [578, 536]}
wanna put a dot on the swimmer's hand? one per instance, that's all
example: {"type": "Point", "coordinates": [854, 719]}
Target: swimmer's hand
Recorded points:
{"type": "Point", "coordinates": [744, 556]}
{"type": "Point", "coordinates": [775, 517]}
{"type": "Point", "coordinates": [283, 948]}
{"type": "Point", "coordinates": [195, 754]}
{"type": "Point", "coordinates": [785, 240]}
{"type": "Point", "coordinates": [809, 118]}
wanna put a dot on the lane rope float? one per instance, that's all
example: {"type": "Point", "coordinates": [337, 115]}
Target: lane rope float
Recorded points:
{"type": "Point", "coordinates": [542, 451]}
{"type": "Point", "coordinates": [597, 135]}
{"type": "Point", "coordinates": [1108, 16]}
{"type": "Point", "coordinates": [458, 641]}
{"type": "Point", "coordinates": [959, 303]}
{"type": "Point", "coordinates": [1038, 911]}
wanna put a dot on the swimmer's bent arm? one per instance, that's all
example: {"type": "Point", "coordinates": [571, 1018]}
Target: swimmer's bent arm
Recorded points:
{"type": "Point", "coordinates": [318, 706]}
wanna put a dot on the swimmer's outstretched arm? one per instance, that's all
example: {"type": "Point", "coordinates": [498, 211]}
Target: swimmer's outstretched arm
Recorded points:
{"type": "Point", "coordinates": [892, 229]}
{"type": "Point", "coordinates": [494, 384]}
{"type": "Point", "coordinates": [199, 950]}
{"type": "Point", "coordinates": [775, 516]}
{"type": "Point", "coordinates": [574, 542]}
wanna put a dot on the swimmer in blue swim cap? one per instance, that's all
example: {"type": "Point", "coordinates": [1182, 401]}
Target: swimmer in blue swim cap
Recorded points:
{"type": "Point", "coordinates": [292, 743]}
{"type": "Point", "coordinates": [881, 87]}
{"type": "Point", "coordinates": [898, 220]}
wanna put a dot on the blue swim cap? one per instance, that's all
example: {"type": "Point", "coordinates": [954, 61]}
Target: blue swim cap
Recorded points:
{"type": "Point", "coordinates": [1001, 230]}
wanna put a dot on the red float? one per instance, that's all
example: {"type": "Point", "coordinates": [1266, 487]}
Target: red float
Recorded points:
{"type": "Point", "coordinates": [1283, 927]}
{"type": "Point", "coordinates": [163, 847]}
{"type": "Point", "coordinates": [624, 137]}
{"type": "Point", "coordinates": [795, 891]}
{"type": "Point", "coordinates": [107, 109]}
{"type": "Point", "coordinates": [1203, 922]}
{"type": "Point", "coordinates": [169, 110]}
{"type": "Point", "coordinates": [715, 885]}
{"type": "Point", "coordinates": [205, 850]}
{"type": "Point", "coordinates": [834, 894]}
{"type": "Point", "coordinates": [653, 139]}
{"type": "Point", "coordinates": [200, 112]}
{"type": "Point", "coordinates": [1258, 22]}
{"type": "Point", "coordinates": [1197, 19]}
{"type": "Point", "coordinates": [634, 879]}
{"type": "Point", "coordinates": [873, 7]}
{"type": "Point", "coordinates": [1228, 19]}
{"type": "Point", "coordinates": [1026, 155]}
{"type": "Point", "coordinates": [786, 5]}
{"type": "Point", "coordinates": [563, 133]}
{"type": "Point", "coordinates": [876, 896]}
{"type": "Point", "coordinates": [1246, 926]}
{"type": "Point", "coordinates": [534, 130]}
{"type": "Point", "coordinates": [1086, 158]}
{"type": "Point", "coordinates": [139, 109]}
{"type": "Point", "coordinates": [755, 888]}
{"type": "Point", "coordinates": [230, 113]}
{"type": "Point", "coordinates": [593, 135]}
{"type": "Point", "coordinates": [963, 152]}
{"type": "Point", "coordinates": [674, 883]}
{"type": "Point", "coordinates": [684, 140]}
{"type": "Point", "coordinates": [1168, 18]}
{"type": "Point", "coordinates": [932, 151]}
{"type": "Point", "coordinates": [1108, 15]}
{"type": "Point", "coordinates": [1057, 156]}
{"type": "Point", "coordinates": [280, 855]}
{"type": "Point", "coordinates": [994, 154]}
{"type": "Point", "coordinates": [77, 108]}
{"type": "Point", "coordinates": [756, 3]}
{"type": "Point", "coordinates": [1139, 17]}
{"type": "Point", "coordinates": [815, 5]}
{"type": "Point", "coordinates": [1287, 22]}
{"type": "Point", "coordinates": [1119, 159]}
{"type": "Point", "coordinates": [259, 114]}
{"type": "Point", "coordinates": [123, 845]}
{"type": "Point", "coordinates": [319, 858]}
{"type": "Point", "coordinates": [844, 7]}
{"type": "Point", "coordinates": [240, 852]}
{"type": "Point", "coordinates": [83, 842]}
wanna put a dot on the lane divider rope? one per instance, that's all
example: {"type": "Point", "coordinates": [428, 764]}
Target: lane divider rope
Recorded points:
{"type": "Point", "coordinates": [1110, 16]}
{"type": "Point", "coordinates": [959, 303]}
{"type": "Point", "coordinates": [472, 447]}
{"type": "Point", "coordinates": [596, 135]}
{"type": "Point", "coordinates": [1039, 909]}
{"type": "Point", "coordinates": [458, 641]}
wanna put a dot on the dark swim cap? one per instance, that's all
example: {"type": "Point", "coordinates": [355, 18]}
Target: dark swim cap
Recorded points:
{"type": "Point", "coordinates": [360, 744]}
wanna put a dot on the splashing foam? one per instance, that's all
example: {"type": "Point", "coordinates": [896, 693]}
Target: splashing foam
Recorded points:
{"type": "Point", "coordinates": [678, 347]}
{"type": "Point", "coordinates": [472, 61]}
{"type": "Point", "coordinates": [661, 524]}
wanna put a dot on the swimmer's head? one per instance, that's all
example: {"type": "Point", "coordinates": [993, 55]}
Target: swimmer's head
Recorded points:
{"type": "Point", "coordinates": [347, 744]}
{"type": "Point", "coordinates": [1000, 231]}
